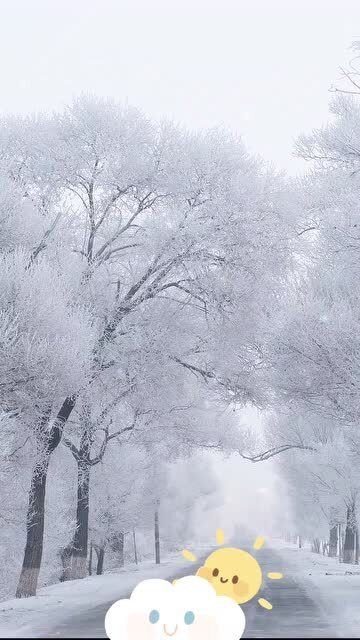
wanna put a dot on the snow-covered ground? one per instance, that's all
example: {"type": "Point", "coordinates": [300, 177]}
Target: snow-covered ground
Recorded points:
{"type": "Point", "coordinates": [326, 582]}
{"type": "Point", "coordinates": [335, 586]}
{"type": "Point", "coordinates": [34, 617]}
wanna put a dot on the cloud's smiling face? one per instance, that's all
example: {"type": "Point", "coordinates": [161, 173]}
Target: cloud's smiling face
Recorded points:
{"type": "Point", "coordinates": [233, 573]}
{"type": "Point", "coordinates": [187, 610]}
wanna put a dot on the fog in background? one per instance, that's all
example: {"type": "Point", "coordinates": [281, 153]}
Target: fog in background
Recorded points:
{"type": "Point", "coordinates": [253, 502]}
{"type": "Point", "coordinates": [262, 68]}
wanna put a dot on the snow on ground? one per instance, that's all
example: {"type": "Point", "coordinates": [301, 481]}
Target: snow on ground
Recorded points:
{"type": "Point", "coordinates": [335, 586]}
{"type": "Point", "coordinates": [324, 579]}
{"type": "Point", "coordinates": [32, 617]}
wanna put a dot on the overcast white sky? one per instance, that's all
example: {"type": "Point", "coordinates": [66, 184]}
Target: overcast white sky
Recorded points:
{"type": "Point", "coordinates": [262, 67]}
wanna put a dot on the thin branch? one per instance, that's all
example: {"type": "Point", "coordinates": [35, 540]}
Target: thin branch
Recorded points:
{"type": "Point", "coordinates": [179, 286]}
{"type": "Point", "coordinates": [109, 253]}
{"type": "Point", "coordinates": [191, 367]}
{"type": "Point", "coordinates": [130, 428]}
{"type": "Point", "coordinates": [119, 433]}
{"type": "Point", "coordinates": [300, 233]}
{"type": "Point", "coordinates": [9, 455]}
{"type": "Point", "coordinates": [349, 77]}
{"type": "Point", "coordinates": [142, 206]}
{"type": "Point", "coordinates": [112, 201]}
{"type": "Point", "coordinates": [105, 412]}
{"type": "Point", "coordinates": [74, 450]}
{"type": "Point", "coordinates": [42, 243]}
{"type": "Point", "coordinates": [111, 436]}
{"type": "Point", "coordinates": [274, 451]}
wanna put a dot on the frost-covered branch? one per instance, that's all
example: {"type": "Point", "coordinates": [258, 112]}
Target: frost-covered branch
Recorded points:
{"type": "Point", "coordinates": [274, 451]}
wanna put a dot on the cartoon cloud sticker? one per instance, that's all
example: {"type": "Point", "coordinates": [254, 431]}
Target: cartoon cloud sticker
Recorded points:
{"type": "Point", "coordinates": [186, 610]}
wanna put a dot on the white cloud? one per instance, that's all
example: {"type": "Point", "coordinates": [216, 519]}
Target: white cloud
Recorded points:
{"type": "Point", "coordinates": [186, 610]}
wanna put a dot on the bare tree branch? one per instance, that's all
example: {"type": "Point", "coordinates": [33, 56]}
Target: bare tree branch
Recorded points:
{"type": "Point", "coordinates": [111, 436]}
{"type": "Point", "coordinates": [74, 450]}
{"type": "Point", "coordinates": [42, 245]}
{"type": "Point", "coordinates": [21, 446]}
{"type": "Point", "coordinates": [274, 451]}
{"type": "Point", "coordinates": [194, 369]}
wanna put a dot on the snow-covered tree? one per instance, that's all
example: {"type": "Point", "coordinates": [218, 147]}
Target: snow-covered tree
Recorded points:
{"type": "Point", "coordinates": [137, 229]}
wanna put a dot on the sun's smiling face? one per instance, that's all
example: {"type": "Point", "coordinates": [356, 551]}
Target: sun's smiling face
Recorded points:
{"type": "Point", "coordinates": [233, 573]}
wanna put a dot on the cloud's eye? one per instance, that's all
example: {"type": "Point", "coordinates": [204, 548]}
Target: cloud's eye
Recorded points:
{"type": "Point", "coordinates": [154, 616]}
{"type": "Point", "coordinates": [189, 617]}
{"type": "Point", "coordinates": [235, 579]}
{"type": "Point", "coordinates": [215, 572]}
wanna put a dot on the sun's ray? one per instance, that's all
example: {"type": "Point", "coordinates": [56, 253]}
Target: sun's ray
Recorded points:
{"type": "Point", "coordinates": [265, 604]}
{"type": "Point", "coordinates": [188, 555]}
{"type": "Point", "coordinates": [275, 575]}
{"type": "Point", "coordinates": [259, 542]}
{"type": "Point", "coordinates": [220, 536]}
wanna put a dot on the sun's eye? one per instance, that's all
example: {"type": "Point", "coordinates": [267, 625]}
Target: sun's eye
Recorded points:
{"type": "Point", "coordinates": [235, 579]}
{"type": "Point", "coordinates": [215, 572]}
{"type": "Point", "coordinates": [154, 616]}
{"type": "Point", "coordinates": [189, 617]}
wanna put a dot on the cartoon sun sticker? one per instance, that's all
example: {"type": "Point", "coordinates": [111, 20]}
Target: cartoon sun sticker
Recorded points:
{"type": "Point", "coordinates": [233, 572]}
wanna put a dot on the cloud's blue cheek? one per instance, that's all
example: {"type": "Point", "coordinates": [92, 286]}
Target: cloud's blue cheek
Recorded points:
{"type": "Point", "coordinates": [154, 616]}
{"type": "Point", "coordinates": [189, 617]}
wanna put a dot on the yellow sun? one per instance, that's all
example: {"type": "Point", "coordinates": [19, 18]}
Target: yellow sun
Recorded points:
{"type": "Point", "coordinates": [233, 572]}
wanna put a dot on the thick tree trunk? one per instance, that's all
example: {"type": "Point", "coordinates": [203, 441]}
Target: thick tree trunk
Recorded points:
{"type": "Point", "coordinates": [79, 545]}
{"type": "Point", "coordinates": [349, 544]}
{"type": "Point", "coordinates": [157, 538]}
{"type": "Point", "coordinates": [333, 541]}
{"type": "Point", "coordinates": [36, 508]}
{"type": "Point", "coordinates": [34, 531]}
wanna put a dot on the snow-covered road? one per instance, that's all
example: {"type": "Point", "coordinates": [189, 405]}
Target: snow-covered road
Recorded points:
{"type": "Point", "coordinates": [295, 612]}
{"type": "Point", "coordinates": [78, 607]}
{"type": "Point", "coordinates": [91, 623]}
{"type": "Point", "coordinates": [316, 598]}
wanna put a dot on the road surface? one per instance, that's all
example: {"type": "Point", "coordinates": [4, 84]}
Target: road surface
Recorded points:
{"type": "Point", "coordinates": [294, 615]}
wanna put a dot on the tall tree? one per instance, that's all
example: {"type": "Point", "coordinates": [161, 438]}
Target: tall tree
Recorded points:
{"type": "Point", "coordinates": [137, 215]}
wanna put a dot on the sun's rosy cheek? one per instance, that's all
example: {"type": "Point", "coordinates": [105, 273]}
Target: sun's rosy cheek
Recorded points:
{"type": "Point", "coordinates": [241, 588]}
{"type": "Point", "coordinates": [205, 572]}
